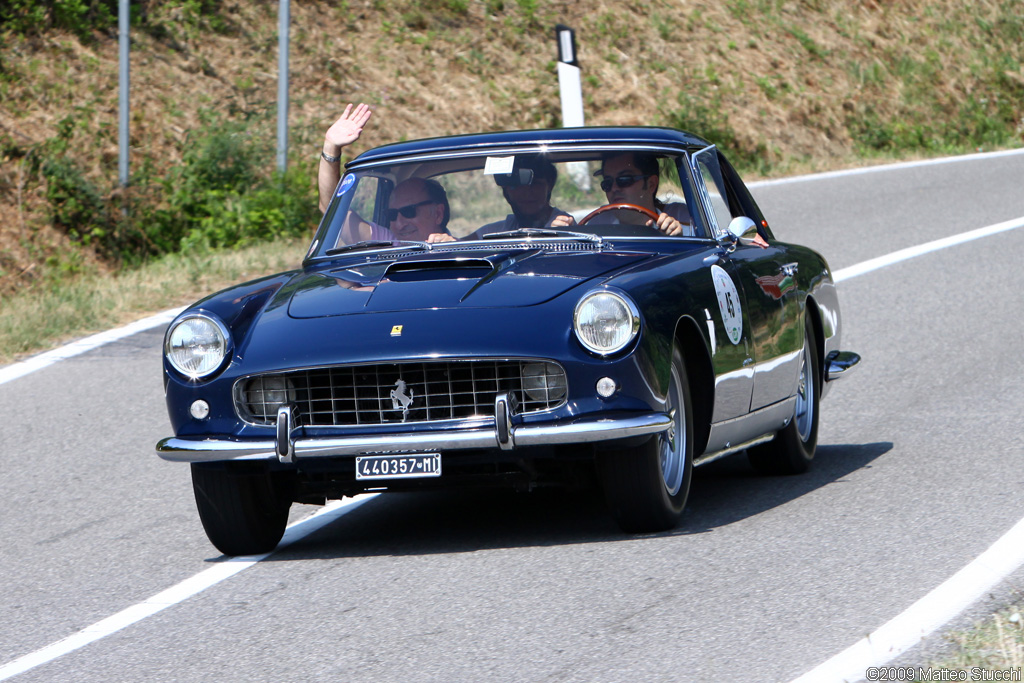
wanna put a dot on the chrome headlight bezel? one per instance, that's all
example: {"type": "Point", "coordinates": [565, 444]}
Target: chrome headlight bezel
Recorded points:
{"type": "Point", "coordinates": [222, 342]}
{"type": "Point", "coordinates": [628, 321]}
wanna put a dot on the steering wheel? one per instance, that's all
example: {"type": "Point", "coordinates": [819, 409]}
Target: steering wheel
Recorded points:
{"type": "Point", "coordinates": [615, 207]}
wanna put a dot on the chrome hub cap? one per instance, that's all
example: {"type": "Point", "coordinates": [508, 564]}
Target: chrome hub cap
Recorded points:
{"type": "Point", "coordinates": [672, 440]}
{"type": "Point", "coordinates": [804, 398]}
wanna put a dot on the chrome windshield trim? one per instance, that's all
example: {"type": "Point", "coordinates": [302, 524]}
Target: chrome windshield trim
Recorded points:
{"type": "Point", "coordinates": [553, 147]}
{"type": "Point", "coordinates": [198, 449]}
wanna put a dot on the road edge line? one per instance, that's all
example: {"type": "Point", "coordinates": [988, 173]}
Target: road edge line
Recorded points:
{"type": "Point", "coordinates": [179, 592]}
{"type": "Point", "coordinates": [21, 368]}
{"type": "Point", "coordinates": [927, 615]}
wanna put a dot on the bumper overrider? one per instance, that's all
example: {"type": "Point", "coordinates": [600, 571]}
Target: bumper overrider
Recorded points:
{"type": "Point", "coordinates": [505, 434]}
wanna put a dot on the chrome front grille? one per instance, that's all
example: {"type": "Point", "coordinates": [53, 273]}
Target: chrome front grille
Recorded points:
{"type": "Point", "coordinates": [387, 393]}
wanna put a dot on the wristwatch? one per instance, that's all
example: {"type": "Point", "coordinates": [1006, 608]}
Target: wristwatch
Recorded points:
{"type": "Point", "coordinates": [328, 158]}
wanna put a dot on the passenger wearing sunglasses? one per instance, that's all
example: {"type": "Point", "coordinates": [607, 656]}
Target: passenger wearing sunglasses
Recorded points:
{"type": "Point", "coordinates": [633, 178]}
{"type": "Point", "coordinates": [417, 210]}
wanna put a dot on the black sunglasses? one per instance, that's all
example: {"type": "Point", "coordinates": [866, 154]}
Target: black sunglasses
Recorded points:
{"type": "Point", "coordinates": [409, 211]}
{"type": "Point", "coordinates": [623, 181]}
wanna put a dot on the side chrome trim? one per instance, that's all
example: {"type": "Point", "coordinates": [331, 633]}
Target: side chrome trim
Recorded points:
{"type": "Point", "coordinates": [735, 433]}
{"type": "Point", "coordinates": [839, 363]}
{"type": "Point", "coordinates": [711, 457]}
{"type": "Point", "coordinates": [198, 449]}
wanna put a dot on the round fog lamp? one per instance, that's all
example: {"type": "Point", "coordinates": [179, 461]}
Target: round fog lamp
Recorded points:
{"type": "Point", "coordinates": [606, 387]}
{"type": "Point", "coordinates": [264, 395]}
{"type": "Point", "coordinates": [543, 382]}
{"type": "Point", "coordinates": [200, 409]}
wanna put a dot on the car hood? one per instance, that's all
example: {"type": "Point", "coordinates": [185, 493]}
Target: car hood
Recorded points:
{"type": "Point", "coordinates": [450, 280]}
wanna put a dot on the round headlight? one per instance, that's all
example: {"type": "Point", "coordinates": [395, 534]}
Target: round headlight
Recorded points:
{"type": "Point", "coordinates": [605, 322]}
{"type": "Point", "coordinates": [196, 346]}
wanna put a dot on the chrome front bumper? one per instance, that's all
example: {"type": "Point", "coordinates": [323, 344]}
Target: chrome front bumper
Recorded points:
{"type": "Point", "coordinates": [503, 435]}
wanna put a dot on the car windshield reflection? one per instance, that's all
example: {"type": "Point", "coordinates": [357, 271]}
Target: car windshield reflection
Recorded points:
{"type": "Point", "coordinates": [578, 197]}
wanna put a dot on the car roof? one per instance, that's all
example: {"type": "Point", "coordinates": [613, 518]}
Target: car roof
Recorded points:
{"type": "Point", "coordinates": [553, 140]}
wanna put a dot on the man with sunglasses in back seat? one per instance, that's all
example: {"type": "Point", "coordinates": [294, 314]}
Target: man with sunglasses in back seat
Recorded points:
{"type": "Point", "coordinates": [631, 178]}
{"type": "Point", "coordinates": [417, 209]}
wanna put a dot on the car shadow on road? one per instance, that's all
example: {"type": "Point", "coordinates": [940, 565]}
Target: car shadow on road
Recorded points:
{"type": "Point", "coordinates": [723, 493]}
{"type": "Point", "coordinates": [729, 490]}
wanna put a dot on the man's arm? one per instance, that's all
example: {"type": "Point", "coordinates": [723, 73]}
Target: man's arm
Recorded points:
{"type": "Point", "coordinates": [344, 131]}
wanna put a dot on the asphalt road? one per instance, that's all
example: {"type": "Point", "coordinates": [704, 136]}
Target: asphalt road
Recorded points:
{"type": "Point", "coordinates": [919, 471]}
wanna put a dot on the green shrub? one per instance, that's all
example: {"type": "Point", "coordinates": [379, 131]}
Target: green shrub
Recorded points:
{"type": "Point", "coordinates": [81, 17]}
{"type": "Point", "coordinates": [222, 195]}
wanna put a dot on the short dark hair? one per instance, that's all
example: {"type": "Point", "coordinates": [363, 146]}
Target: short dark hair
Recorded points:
{"type": "Point", "coordinates": [646, 163]}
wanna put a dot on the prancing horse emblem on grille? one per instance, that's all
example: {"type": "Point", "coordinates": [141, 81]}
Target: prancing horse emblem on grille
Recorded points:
{"type": "Point", "coordinates": [400, 400]}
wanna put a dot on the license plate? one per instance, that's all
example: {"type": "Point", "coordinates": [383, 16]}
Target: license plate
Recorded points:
{"type": "Point", "coordinates": [398, 466]}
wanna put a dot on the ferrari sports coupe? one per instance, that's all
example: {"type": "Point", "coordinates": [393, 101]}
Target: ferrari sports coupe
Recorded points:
{"type": "Point", "coordinates": [598, 307]}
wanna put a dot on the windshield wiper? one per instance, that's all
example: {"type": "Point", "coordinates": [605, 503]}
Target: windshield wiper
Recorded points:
{"type": "Point", "coordinates": [543, 232]}
{"type": "Point", "coordinates": [375, 244]}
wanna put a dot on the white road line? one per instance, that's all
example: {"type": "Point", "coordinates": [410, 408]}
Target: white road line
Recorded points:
{"type": "Point", "coordinates": [179, 593]}
{"type": "Point", "coordinates": [958, 592]}
{"type": "Point", "coordinates": [927, 614]}
{"type": "Point", "coordinates": [899, 166]}
{"type": "Point", "coordinates": [927, 248]}
{"type": "Point", "coordinates": [16, 370]}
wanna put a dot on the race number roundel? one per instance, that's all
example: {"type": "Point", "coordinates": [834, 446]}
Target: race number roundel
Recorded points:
{"type": "Point", "coordinates": [728, 303]}
{"type": "Point", "coordinates": [346, 184]}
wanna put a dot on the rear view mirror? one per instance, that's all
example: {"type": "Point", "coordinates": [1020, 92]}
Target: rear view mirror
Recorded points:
{"type": "Point", "coordinates": [517, 178]}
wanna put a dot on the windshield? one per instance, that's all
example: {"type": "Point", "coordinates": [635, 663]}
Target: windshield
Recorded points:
{"type": "Point", "coordinates": [573, 196]}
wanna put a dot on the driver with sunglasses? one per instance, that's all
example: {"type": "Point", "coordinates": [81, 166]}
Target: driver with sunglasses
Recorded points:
{"type": "Point", "coordinates": [631, 178]}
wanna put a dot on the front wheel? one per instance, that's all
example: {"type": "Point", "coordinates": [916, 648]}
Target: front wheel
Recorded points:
{"type": "Point", "coordinates": [244, 512]}
{"type": "Point", "coordinates": [647, 487]}
{"type": "Point", "coordinates": [792, 449]}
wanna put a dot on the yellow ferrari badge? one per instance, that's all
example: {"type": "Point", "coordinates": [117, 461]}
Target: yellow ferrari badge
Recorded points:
{"type": "Point", "coordinates": [396, 330]}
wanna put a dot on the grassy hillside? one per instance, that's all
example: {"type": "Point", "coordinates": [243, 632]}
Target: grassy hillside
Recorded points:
{"type": "Point", "coordinates": [786, 86]}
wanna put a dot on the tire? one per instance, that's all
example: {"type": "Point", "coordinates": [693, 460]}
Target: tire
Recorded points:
{"type": "Point", "coordinates": [792, 449]}
{"type": "Point", "coordinates": [646, 487]}
{"type": "Point", "coordinates": [244, 512]}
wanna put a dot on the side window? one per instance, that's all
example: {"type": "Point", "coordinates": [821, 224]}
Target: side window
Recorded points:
{"type": "Point", "coordinates": [358, 196]}
{"type": "Point", "coordinates": [711, 187]}
{"type": "Point", "coordinates": [365, 196]}
{"type": "Point", "coordinates": [669, 188]}
{"type": "Point", "coordinates": [745, 204]}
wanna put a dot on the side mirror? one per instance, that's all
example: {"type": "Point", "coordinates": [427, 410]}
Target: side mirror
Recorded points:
{"type": "Point", "coordinates": [743, 229]}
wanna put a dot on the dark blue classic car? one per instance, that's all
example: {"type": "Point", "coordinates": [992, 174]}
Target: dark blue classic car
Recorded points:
{"type": "Point", "coordinates": [522, 309]}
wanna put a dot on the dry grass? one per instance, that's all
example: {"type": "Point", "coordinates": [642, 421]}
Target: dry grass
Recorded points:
{"type": "Point", "coordinates": [74, 307]}
{"type": "Point", "coordinates": [782, 81]}
{"type": "Point", "coordinates": [996, 644]}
